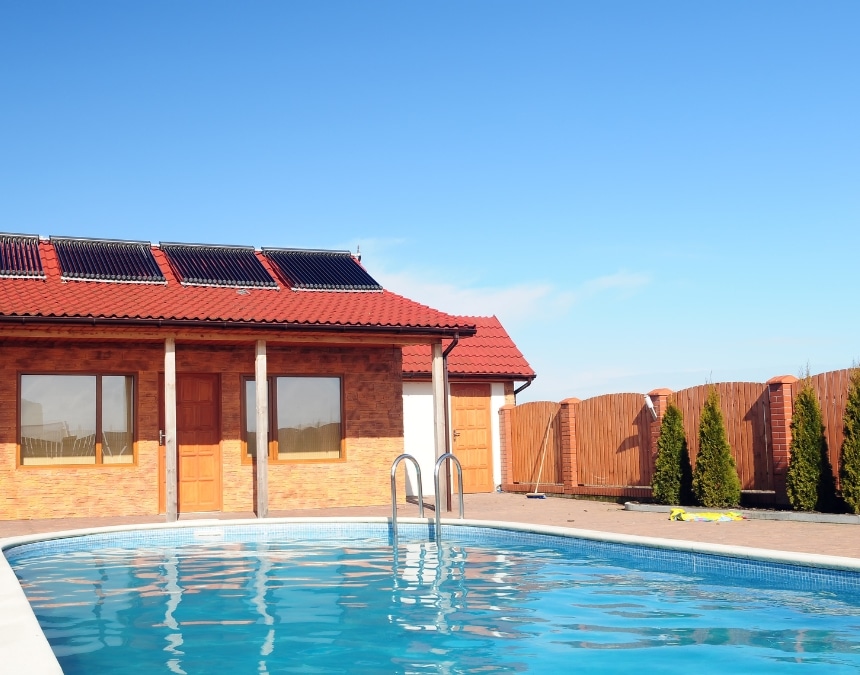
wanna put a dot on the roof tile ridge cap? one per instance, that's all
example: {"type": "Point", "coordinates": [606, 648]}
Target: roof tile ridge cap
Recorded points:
{"type": "Point", "coordinates": [479, 319]}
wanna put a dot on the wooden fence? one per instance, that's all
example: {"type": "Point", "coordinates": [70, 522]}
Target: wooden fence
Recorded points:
{"type": "Point", "coordinates": [606, 445]}
{"type": "Point", "coordinates": [613, 441]}
{"type": "Point", "coordinates": [832, 391]}
{"type": "Point", "coordinates": [746, 414]}
{"type": "Point", "coordinates": [529, 425]}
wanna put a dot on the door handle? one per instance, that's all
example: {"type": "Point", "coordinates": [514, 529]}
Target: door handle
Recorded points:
{"type": "Point", "coordinates": [456, 433]}
{"type": "Point", "coordinates": [161, 437]}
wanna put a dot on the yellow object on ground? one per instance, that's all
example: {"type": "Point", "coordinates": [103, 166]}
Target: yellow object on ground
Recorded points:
{"type": "Point", "coordinates": [705, 517]}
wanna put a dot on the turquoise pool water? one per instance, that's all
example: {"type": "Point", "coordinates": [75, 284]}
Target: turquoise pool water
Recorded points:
{"type": "Point", "coordinates": [338, 599]}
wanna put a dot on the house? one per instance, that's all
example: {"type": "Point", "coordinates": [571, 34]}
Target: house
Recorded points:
{"type": "Point", "coordinates": [482, 373]}
{"type": "Point", "coordinates": [140, 379]}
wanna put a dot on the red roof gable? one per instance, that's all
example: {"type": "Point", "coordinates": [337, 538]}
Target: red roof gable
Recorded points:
{"type": "Point", "coordinates": [490, 352]}
{"type": "Point", "coordinates": [53, 298]}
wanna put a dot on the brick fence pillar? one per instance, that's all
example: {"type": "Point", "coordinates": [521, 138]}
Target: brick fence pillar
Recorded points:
{"type": "Point", "coordinates": [781, 394]}
{"type": "Point", "coordinates": [506, 443]}
{"type": "Point", "coordinates": [660, 399]}
{"type": "Point", "coordinates": [567, 418]}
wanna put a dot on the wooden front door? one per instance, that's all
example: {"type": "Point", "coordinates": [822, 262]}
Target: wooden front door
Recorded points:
{"type": "Point", "coordinates": [470, 421]}
{"type": "Point", "coordinates": [198, 436]}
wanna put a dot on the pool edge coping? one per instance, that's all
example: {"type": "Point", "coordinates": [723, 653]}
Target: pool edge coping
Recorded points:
{"type": "Point", "coordinates": [24, 647]}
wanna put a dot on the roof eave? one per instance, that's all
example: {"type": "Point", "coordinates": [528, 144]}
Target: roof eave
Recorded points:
{"type": "Point", "coordinates": [490, 377]}
{"type": "Point", "coordinates": [279, 326]}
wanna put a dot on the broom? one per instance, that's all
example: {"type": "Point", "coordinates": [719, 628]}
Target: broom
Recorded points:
{"type": "Point", "coordinates": [536, 494]}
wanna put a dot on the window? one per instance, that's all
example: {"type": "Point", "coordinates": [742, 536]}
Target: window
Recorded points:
{"type": "Point", "coordinates": [77, 419]}
{"type": "Point", "coordinates": [305, 418]}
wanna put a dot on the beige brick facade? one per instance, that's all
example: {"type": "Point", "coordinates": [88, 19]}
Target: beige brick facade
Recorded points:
{"type": "Point", "coordinates": [372, 416]}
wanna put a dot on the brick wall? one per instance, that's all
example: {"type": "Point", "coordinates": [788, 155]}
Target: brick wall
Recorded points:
{"type": "Point", "coordinates": [506, 446]}
{"type": "Point", "coordinates": [781, 392]}
{"type": "Point", "coordinates": [567, 416]}
{"type": "Point", "coordinates": [372, 417]}
{"type": "Point", "coordinates": [46, 492]}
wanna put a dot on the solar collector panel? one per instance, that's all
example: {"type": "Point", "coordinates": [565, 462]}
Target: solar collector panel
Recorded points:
{"type": "Point", "coordinates": [19, 256]}
{"type": "Point", "coordinates": [212, 265]}
{"type": "Point", "coordinates": [107, 260]}
{"type": "Point", "coordinates": [75, 260]}
{"type": "Point", "coordinates": [321, 270]}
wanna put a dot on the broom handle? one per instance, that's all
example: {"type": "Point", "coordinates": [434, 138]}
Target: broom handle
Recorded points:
{"type": "Point", "coordinates": [543, 452]}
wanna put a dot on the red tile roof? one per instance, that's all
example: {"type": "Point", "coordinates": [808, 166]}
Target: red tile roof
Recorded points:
{"type": "Point", "coordinates": [52, 298]}
{"type": "Point", "coordinates": [490, 352]}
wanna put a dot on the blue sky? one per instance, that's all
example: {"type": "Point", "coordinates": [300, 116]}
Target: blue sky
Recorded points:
{"type": "Point", "coordinates": [647, 194]}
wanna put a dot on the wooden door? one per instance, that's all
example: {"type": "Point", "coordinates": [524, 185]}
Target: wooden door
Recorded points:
{"type": "Point", "coordinates": [198, 436]}
{"type": "Point", "coordinates": [470, 421]}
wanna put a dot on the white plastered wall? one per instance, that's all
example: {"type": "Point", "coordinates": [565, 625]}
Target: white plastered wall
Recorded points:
{"type": "Point", "coordinates": [497, 400]}
{"type": "Point", "coordinates": [418, 435]}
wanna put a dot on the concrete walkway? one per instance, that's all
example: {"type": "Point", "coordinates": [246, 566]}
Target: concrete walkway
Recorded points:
{"type": "Point", "coordinates": [780, 535]}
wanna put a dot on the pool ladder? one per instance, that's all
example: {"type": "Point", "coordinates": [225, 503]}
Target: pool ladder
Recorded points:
{"type": "Point", "coordinates": [439, 462]}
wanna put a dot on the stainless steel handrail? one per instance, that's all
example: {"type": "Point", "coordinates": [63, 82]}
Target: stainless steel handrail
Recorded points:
{"type": "Point", "coordinates": [439, 462]}
{"type": "Point", "coordinates": [394, 491]}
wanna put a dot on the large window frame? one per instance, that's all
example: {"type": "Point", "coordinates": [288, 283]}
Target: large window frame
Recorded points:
{"type": "Point", "coordinates": [278, 443]}
{"type": "Point", "coordinates": [54, 443]}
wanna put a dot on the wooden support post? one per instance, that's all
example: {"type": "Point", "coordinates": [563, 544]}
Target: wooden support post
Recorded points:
{"type": "Point", "coordinates": [440, 422]}
{"type": "Point", "coordinates": [262, 408]}
{"type": "Point", "coordinates": [170, 429]}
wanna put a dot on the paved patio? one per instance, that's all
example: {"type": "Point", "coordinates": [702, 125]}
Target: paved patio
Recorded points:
{"type": "Point", "coordinates": [781, 535]}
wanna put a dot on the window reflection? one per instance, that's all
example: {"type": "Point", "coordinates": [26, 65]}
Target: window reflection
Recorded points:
{"type": "Point", "coordinates": [307, 417]}
{"type": "Point", "coordinates": [59, 422]}
{"type": "Point", "coordinates": [251, 416]}
{"type": "Point", "coordinates": [117, 407]}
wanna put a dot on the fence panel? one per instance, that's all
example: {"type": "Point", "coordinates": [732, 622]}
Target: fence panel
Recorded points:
{"type": "Point", "coordinates": [832, 391]}
{"type": "Point", "coordinates": [746, 414]}
{"type": "Point", "coordinates": [613, 445]}
{"type": "Point", "coordinates": [528, 427]}
{"type": "Point", "coordinates": [613, 441]}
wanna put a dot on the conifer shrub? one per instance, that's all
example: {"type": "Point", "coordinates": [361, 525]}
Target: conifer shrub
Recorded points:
{"type": "Point", "coordinates": [849, 456]}
{"type": "Point", "coordinates": [673, 477]}
{"type": "Point", "coordinates": [809, 479]}
{"type": "Point", "coordinates": [715, 478]}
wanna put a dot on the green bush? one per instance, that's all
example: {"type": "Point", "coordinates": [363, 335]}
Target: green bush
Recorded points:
{"type": "Point", "coordinates": [715, 478]}
{"type": "Point", "coordinates": [673, 477]}
{"type": "Point", "coordinates": [809, 480]}
{"type": "Point", "coordinates": [849, 464]}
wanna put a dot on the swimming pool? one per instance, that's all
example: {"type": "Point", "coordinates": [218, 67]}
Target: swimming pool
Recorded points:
{"type": "Point", "coordinates": [331, 597]}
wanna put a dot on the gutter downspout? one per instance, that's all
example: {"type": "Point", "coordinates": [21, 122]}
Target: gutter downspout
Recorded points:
{"type": "Point", "coordinates": [527, 383]}
{"type": "Point", "coordinates": [448, 430]}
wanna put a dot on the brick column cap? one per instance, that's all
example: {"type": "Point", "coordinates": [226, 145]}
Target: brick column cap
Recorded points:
{"type": "Point", "coordinates": [660, 392]}
{"type": "Point", "coordinates": [570, 401]}
{"type": "Point", "coordinates": [507, 406]}
{"type": "Point", "coordinates": [782, 379]}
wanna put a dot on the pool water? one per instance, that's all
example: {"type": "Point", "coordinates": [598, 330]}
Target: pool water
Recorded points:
{"type": "Point", "coordinates": [295, 604]}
